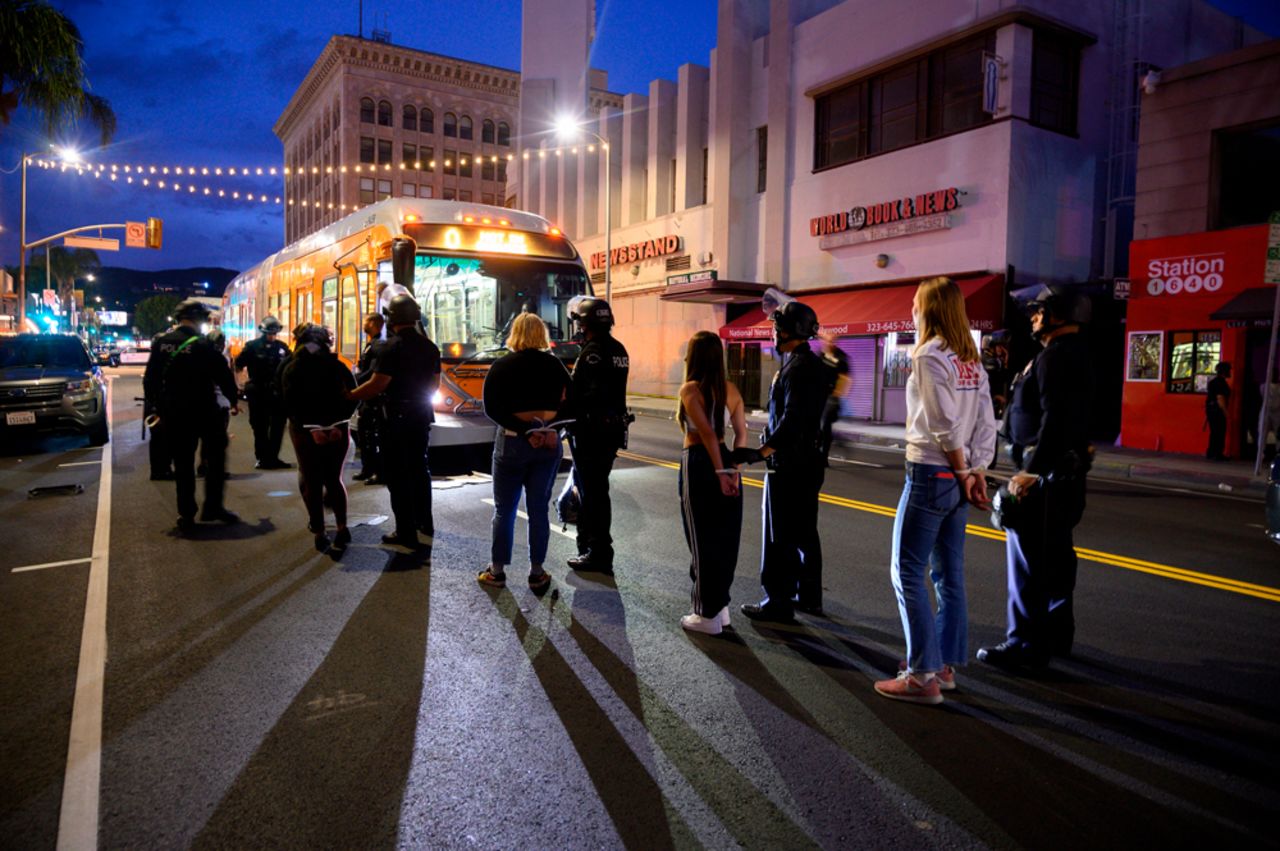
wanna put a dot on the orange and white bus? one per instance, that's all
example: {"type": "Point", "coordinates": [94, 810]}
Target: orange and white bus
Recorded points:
{"type": "Point", "coordinates": [472, 268]}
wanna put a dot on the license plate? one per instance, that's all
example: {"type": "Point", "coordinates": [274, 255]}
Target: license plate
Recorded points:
{"type": "Point", "coordinates": [20, 418]}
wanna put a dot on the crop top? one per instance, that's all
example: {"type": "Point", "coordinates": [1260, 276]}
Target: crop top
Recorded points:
{"type": "Point", "coordinates": [527, 380]}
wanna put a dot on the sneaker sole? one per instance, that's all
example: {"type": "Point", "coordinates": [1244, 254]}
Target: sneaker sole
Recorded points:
{"type": "Point", "coordinates": [927, 700]}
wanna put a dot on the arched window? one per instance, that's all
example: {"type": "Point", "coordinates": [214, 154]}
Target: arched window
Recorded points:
{"type": "Point", "coordinates": [464, 128]}
{"type": "Point", "coordinates": [384, 113]}
{"type": "Point", "coordinates": [486, 132]}
{"type": "Point", "coordinates": [504, 133]}
{"type": "Point", "coordinates": [427, 121]}
{"type": "Point", "coordinates": [366, 110]}
{"type": "Point", "coordinates": [410, 117]}
{"type": "Point", "coordinates": [450, 124]}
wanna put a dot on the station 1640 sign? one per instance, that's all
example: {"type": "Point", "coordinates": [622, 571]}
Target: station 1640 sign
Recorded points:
{"type": "Point", "coordinates": [886, 219]}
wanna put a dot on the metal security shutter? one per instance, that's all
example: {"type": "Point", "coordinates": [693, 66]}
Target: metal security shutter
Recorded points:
{"type": "Point", "coordinates": [859, 401]}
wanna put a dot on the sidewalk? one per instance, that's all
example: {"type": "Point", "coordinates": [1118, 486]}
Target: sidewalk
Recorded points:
{"type": "Point", "coordinates": [1111, 462]}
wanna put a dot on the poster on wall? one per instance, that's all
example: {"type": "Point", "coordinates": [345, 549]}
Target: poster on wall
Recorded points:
{"type": "Point", "coordinates": [1144, 356]}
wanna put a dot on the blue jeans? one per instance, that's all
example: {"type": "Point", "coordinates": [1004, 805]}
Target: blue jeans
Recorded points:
{"type": "Point", "coordinates": [518, 466]}
{"type": "Point", "coordinates": [929, 532]}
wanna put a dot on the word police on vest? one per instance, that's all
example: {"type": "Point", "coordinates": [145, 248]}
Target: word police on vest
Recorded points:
{"type": "Point", "coordinates": [1190, 274]}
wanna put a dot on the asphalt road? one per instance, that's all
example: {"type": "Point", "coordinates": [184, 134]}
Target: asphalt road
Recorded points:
{"type": "Point", "coordinates": [260, 694]}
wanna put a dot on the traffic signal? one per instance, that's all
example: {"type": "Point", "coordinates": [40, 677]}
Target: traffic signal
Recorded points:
{"type": "Point", "coordinates": [155, 231]}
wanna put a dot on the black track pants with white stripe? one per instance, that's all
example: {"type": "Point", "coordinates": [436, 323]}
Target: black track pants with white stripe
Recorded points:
{"type": "Point", "coordinates": [712, 527]}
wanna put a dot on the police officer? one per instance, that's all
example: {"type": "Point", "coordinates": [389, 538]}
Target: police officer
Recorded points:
{"type": "Point", "coordinates": [371, 414]}
{"type": "Point", "coordinates": [1047, 424]}
{"type": "Point", "coordinates": [263, 358]}
{"type": "Point", "coordinates": [599, 405]}
{"type": "Point", "coordinates": [406, 373]}
{"type": "Point", "coordinates": [791, 552]}
{"type": "Point", "coordinates": [189, 411]}
{"type": "Point", "coordinates": [189, 315]}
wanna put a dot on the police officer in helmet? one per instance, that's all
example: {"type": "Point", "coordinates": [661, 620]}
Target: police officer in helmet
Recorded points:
{"type": "Point", "coordinates": [263, 358]}
{"type": "Point", "coordinates": [791, 553]}
{"type": "Point", "coordinates": [599, 405]}
{"type": "Point", "coordinates": [406, 375]}
{"type": "Point", "coordinates": [368, 437]}
{"type": "Point", "coordinates": [189, 314]}
{"type": "Point", "coordinates": [1047, 425]}
{"type": "Point", "coordinates": [195, 374]}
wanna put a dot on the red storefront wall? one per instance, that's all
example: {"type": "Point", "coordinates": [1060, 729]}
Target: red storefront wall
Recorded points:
{"type": "Point", "coordinates": [1152, 417]}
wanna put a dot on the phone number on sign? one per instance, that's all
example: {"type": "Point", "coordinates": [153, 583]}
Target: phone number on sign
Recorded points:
{"type": "Point", "coordinates": [896, 325]}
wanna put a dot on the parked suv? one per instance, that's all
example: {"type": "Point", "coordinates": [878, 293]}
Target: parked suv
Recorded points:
{"type": "Point", "coordinates": [48, 382]}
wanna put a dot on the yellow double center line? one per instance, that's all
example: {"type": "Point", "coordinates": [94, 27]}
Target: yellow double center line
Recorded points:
{"type": "Point", "coordinates": [1222, 583]}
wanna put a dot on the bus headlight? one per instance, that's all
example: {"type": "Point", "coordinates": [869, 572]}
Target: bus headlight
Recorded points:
{"type": "Point", "coordinates": [437, 398]}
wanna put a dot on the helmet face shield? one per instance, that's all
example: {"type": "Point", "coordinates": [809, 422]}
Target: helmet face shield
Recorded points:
{"type": "Point", "coordinates": [194, 310]}
{"type": "Point", "coordinates": [591, 313]}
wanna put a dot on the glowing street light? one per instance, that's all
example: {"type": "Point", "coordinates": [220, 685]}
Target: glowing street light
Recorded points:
{"type": "Point", "coordinates": [568, 130]}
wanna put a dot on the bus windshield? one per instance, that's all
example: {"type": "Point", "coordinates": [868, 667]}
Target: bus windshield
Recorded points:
{"type": "Point", "coordinates": [469, 303]}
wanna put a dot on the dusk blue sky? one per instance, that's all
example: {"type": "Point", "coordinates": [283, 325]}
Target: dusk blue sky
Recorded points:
{"type": "Point", "coordinates": [201, 84]}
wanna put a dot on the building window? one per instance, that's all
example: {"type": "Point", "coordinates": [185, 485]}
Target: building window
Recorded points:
{"type": "Point", "coordinates": [464, 195]}
{"type": "Point", "coordinates": [366, 149]}
{"type": "Point", "coordinates": [426, 191]}
{"type": "Point", "coordinates": [464, 127]}
{"type": "Point", "coordinates": [1246, 182]}
{"type": "Point", "coordinates": [449, 194]}
{"type": "Point", "coordinates": [409, 156]}
{"type": "Point", "coordinates": [465, 167]}
{"type": "Point", "coordinates": [487, 132]}
{"type": "Point", "coordinates": [428, 156]}
{"type": "Point", "coordinates": [450, 162]}
{"type": "Point", "coordinates": [486, 198]}
{"type": "Point", "coordinates": [384, 113]}
{"type": "Point", "coordinates": [762, 157]}
{"type": "Point", "coordinates": [366, 190]}
{"type": "Point", "coordinates": [502, 171]}
{"type": "Point", "coordinates": [409, 190]}
{"type": "Point", "coordinates": [450, 124]}
{"type": "Point", "coordinates": [504, 133]}
{"type": "Point", "coordinates": [384, 151]}
{"type": "Point", "coordinates": [1192, 358]}
{"type": "Point", "coordinates": [384, 190]}
{"type": "Point", "coordinates": [922, 99]}
{"type": "Point", "coordinates": [487, 169]}
{"type": "Point", "coordinates": [366, 110]}
{"type": "Point", "coordinates": [410, 117]}
{"type": "Point", "coordinates": [706, 161]}
{"type": "Point", "coordinates": [1055, 71]}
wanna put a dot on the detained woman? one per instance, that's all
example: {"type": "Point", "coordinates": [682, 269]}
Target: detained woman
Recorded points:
{"type": "Point", "coordinates": [314, 384]}
{"type": "Point", "coordinates": [951, 437]}
{"type": "Point", "coordinates": [522, 394]}
{"type": "Point", "coordinates": [710, 489]}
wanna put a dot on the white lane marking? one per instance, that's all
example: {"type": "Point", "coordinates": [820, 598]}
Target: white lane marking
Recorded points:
{"type": "Point", "coordinates": [50, 564]}
{"type": "Point", "coordinates": [79, 463]}
{"type": "Point", "coordinates": [859, 463]}
{"type": "Point", "coordinates": [78, 819]}
{"type": "Point", "coordinates": [525, 517]}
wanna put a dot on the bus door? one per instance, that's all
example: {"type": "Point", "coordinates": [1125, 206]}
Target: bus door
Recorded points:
{"type": "Point", "coordinates": [347, 332]}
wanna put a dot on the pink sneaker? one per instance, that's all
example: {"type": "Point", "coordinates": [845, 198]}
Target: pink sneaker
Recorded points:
{"type": "Point", "coordinates": [946, 677]}
{"type": "Point", "coordinates": [906, 687]}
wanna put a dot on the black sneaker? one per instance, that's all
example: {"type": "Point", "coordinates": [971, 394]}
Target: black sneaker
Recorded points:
{"type": "Point", "coordinates": [220, 515]}
{"type": "Point", "coordinates": [1013, 656]}
{"type": "Point", "coordinates": [395, 539]}
{"type": "Point", "coordinates": [768, 613]}
{"type": "Point", "coordinates": [361, 476]}
{"type": "Point", "coordinates": [186, 525]}
{"type": "Point", "coordinates": [814, 609]}
{"type": "Point", "coordinates": [589, 564]}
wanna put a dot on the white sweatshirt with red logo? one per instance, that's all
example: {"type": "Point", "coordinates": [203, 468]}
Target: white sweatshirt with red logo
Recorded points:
{"type": "Point", "coordinates": [948, 407]}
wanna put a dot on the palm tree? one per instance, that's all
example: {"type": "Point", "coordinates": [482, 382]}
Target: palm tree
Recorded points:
{"type": "Point", "coordinates": [41, 68]}
{"type": "Point", "coordinates": [65, 265]}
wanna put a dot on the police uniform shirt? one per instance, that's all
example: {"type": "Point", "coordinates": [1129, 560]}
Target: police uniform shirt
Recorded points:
{"type": "Point", "coordinates": [1218, 386]}
{"type": "Point", "coordinates": [412, 362]}
{"type": "Point", "coordinates": [1051, 402]}
{"type": "Point", "coordinates": [796, 401]}
{"type": "Point", "coordinates": [368, 357]}
{"type": "Point", "coordinates": [263, 358]}
{"type": "Point", "coordinates": [600, 379]}
{"type": "Point", "coordinates": [197, 372]}
{"type": "Point", "coordinates": [163, 346]}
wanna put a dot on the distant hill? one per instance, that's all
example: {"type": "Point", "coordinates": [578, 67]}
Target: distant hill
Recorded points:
{"type": "Point", "coordinates": [129, 286]}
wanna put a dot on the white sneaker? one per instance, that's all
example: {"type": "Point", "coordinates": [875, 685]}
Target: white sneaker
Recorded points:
{"type": "Point", "coordinates": [697, 623]}
{"type": "Point", "coordinates": [724, 617]}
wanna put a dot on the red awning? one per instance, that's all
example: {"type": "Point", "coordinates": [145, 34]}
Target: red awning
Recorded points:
{"type": "Point", "coordinates": [878, 310]}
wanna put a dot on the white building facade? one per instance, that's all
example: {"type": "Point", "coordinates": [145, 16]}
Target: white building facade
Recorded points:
{"type": "Point", "coordinates": [843, 151]}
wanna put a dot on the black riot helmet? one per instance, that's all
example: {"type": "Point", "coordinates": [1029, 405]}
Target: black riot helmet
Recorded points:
{"type": "Point", "coordinates": [402, 310]}
{"type": "Point", "coordinates": [593, 314]}
{"type": "Point", "coordinates": [314, 333]}
{"type": "Point", "coordinates": [797, 320]}
{"type": "Point", "coordinates": [270, 325]}
{"type": "Point", "coordinates": [192, 310]}
{"type": "Point", "coordinates": [1061, 305]}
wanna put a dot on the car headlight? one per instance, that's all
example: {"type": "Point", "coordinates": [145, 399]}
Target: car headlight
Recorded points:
{"type": "Point", "coordinates": [84, 386]}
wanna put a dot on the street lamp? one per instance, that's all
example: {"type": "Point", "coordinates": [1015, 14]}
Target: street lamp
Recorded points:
{"type": "Point", "coordinates": [69, 155]}
{"type": "Point", "coordinates": [567, 129]}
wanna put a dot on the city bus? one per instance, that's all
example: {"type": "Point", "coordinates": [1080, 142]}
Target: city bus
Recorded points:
{"type": "Point", "coordinates": [472, 268]}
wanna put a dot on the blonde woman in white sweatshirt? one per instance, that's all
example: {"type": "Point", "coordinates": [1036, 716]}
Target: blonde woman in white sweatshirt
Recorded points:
{"type": "Point", "coordinates": [951, 436]}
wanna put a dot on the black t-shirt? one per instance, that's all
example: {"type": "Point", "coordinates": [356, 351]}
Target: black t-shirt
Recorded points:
{"type": "Point", "coordinates": [528, 380]}
{"type": "Point", "coordinates": [313, 386]}
{"type": "Point", "coordinates": [190, 377]}
{"type": "Point", "coordinates": [413, 364]}
{"type": "Point", "coordinates": [1218, 386]}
